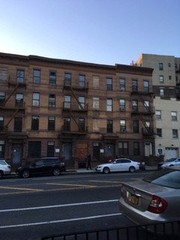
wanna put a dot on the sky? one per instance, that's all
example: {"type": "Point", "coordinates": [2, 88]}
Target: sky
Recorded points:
{"type": "Point", "coordinates": [95, 31]}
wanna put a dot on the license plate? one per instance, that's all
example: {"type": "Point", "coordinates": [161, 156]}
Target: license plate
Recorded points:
{"type": "Point", "coordinates": [133, 199]}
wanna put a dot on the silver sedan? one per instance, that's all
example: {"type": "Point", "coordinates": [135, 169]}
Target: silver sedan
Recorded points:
{"type": "Point", "coordinates": [155, 199]}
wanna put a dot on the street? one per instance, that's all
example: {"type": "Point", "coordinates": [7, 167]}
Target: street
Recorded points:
{"type": "Point", "coordinates": [37, 207]}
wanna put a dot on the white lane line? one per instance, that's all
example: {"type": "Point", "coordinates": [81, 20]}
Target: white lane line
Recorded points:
{"type": "Point", "coordinates": [57, 206]}
{"type": "Point", "coordinates": [59, 221]}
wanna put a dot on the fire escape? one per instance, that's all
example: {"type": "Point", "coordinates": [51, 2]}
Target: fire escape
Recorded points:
{"type": "Point", "coordinates": [12, 108]}
{"type": "Point", "coordinates": [144, 112]}
{"type": "Point", "coordinates": [75, 109]}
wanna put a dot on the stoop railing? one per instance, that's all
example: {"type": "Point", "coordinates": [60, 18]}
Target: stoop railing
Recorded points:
{"type": "Point", "coordinates": [157, 231]}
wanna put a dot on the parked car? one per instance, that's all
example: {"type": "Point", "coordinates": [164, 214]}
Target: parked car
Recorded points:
{"type": "Point", "coordinates": [170, 162]}
{"type": "Point", "coordinates": [117, 165]}
{"type": "Point", "coordinates": [154, 199]}
{"type": "Point", "coordinates": [5, 168]}
{"type": "Point", "coordinates": [42, 166]}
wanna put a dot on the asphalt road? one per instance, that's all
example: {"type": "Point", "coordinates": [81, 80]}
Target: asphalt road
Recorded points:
{"type": "Point", "coordinates": [37, 207]}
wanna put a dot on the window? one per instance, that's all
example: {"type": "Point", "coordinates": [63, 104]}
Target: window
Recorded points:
{"type": "Point", "coordinates": [146, 86]}
{"type": "Point", "coordinates": [20, 76]}
{"type": "Point", "coordinates": [3, 74]}
{"type": "Point", "coordinates": [136, 148]}
{"type": "Point", "coordinates": [34, 149]}
{"type": "Point", "coordinates": [96, 103]}
{"type": "Point", "coordinates": [81, 124]}
{"type": "Point", "coordinates": [135, 126]}
{"type": "Point", "coordinates": [123, 149]}
{"type": "Point", "coordinates": [2, 149]}
{"type": "Point", "coordinates": [95, 125]}
{"type": "Point", "coordinates": [18, 124]}
{"type": "Point", "coordinates": [81, 101]}
{"type": "Point", "coordinates": [52, 78]}
{"type": "Point", "coordinates": [122, 84]}
{"type": "Point", "coordinates": [174, 116]}
{"type": "Point", "coordinates": [82, 80]}
{"type": "Point", "coordinates": [122, 104]}
{"type": "Point", "coordinates": [50, 148]}
{"type": "Point", "coordinates": [36, 76]}
{"type": "Point", "coordinates": [51, 123]}
{"type": "Point", "coordinates": [67, 102]}
{"type": "Point", "coordinates": [122, 126]}
{"type": "Point", "coordinates": [161, 92]}
{"type": "Point", "coordinates": [95, 82]}
{"type": "Point", "coordinates": [19, 99]}
{"type": "Point", "coordinates": [52, 101]}
{"type": "Point", "coordinates": [67, 79]}
{"type": "Point", "coordinates": [146, 106]}
{"type": "Point", "coordinates": [109, 126]}
{"type": "Point", "coordinates": [67, 124]}
{"type": "Point", "coordinates": [169, 64]}
{"type": "Point", "coordinates": [159, 132]}
{"type": "Point", "coordinates": [35, 123]}
{"type": "Point", "coordinates": [161, 79]}
{"type": "Point", "coordinates": [2, 97]}
{"type": "Point", "coordinates": [158, 114]}
{"type": "Point", "coordinates": [109, 84]}
{"type": "Point", "coordinates": [36, 99]}
{"type": "Point", "coordinates": [160, 66]}
{"type": "Point", "coordinates": [1, 123]}
{"type": "Point", "coordinates": [174, 133]}
{"type": "Point", "coordinates": [170, 77]}
{"type": "Point", "coordinates": [109, 106]}
{"type": "Point", "coordinates": [134, 85]}
{"type": "Point", "coordinates": [135, 105]}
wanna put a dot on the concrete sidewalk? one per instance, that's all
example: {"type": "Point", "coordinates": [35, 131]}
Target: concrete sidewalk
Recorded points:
{"type": "Point", "coordinates": [84, 170]}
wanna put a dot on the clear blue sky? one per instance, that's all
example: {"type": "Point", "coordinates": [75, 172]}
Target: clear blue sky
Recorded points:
{"type": "Point", "coordinates": [97, 31]}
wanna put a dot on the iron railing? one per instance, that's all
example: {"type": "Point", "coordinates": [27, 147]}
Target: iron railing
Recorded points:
{"type": "Point", "coordinates": [157, 231]}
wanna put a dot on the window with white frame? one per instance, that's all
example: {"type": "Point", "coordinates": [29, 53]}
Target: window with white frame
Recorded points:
{"type": "Point", "coordinates": [67, 102]}
{"type": "Point", "coordinates": [95, 125]}
{"type": "Point", "coordinates": [109, 106]}
{"type": "Point", "coordinates": [81, 102]}
{"type": "Point", "coordinates": [161, 92]}
{"type": "Point", "coordinates": [122, 126]}
{"type": "Point", "coordinates": [95, 103]}
{"type": "Point", "coordinates": [174, 133]}
{"type": "Point", "coordinates": [36, 99]}
{"type": "Point", "coordinates": [109, 84]}
{"type": "Point", "coordinates": [122, 84]}
{"type": "Point", "coordinates": [122, 104]}
{"type": "Point", "coordinates": [158, 114]}
{"type": "Point", "coordinates": [161, 78]}
{"type": "Point", "coordinates": [95, 82]}
{"type": "Point", "coordinates": [174, 116]}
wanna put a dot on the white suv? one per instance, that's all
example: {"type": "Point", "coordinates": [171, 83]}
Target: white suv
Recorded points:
{"type": "Point", "coordinates": [5, 168]}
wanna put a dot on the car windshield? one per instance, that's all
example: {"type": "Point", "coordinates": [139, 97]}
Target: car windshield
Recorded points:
{"type": "Point", "coordinates": [2, 162]}
{"type": "Point", "coordinates": [167, 178]}
{"type": "Point", "coordinates": [170, 160]}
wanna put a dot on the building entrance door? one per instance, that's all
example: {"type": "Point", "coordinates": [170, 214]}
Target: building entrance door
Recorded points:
{"type": "Point", "coordinates": [16, 155]}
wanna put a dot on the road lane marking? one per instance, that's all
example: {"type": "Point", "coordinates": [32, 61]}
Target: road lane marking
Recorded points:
{"type": "Point", "coordinates": [60, 221]}
{"type": "Point", "coordinates": [72, 185]}
{"type": "Point", "coordinates": [19, 188]}
{"type": "Point", "coordinates": [102, 181]}
{"type": "Point", "coordinates": [57, 206]}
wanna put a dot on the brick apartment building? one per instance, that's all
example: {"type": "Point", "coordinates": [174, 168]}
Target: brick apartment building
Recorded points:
{"type": "Point", "coordinates": [53, 107]}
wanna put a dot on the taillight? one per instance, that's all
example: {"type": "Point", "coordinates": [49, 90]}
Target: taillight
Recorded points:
{"type": "Point", "coordinates": [157, 205]}
{"type": "Point", "coordinates": [122, 192]}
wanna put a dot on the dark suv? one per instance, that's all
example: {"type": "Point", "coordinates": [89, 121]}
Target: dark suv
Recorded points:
{"type": "Point", "coordinates": [42, 166]}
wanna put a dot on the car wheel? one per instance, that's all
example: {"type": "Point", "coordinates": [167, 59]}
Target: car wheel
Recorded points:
{"type": "Point", "coordinates": [132, 169]}
{"type": "Point", "coordinates": [25, 174]}
{"type": "Point", "coordinates": [56, 172]}
{"type": "Point", "coordinates": [1, 174]}
{"type": "Point", "coordinates": [106, 170]}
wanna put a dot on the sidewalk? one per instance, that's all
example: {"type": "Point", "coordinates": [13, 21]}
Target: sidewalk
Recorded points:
{"type": "Point", "coordinates": [84, 170]}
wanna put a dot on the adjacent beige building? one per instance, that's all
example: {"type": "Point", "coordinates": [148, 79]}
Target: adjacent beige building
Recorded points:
{"type": "Point", "coordinates": [166, 89]}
